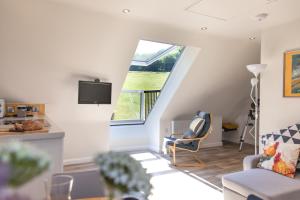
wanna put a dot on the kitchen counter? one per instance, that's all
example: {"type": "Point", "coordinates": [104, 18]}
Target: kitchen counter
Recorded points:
{"type": "Point", "coordinates": [54, 130]}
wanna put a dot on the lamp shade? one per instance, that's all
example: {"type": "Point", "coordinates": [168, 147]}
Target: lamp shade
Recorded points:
{"type": "Point", "coordinates": [256, 69]}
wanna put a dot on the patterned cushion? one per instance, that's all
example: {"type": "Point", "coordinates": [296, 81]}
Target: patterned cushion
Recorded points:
{"type": "Point", "coordinates": [206, 117]}
{"type": "Point", "coordinates": [289, 135]}
{"type": "Point", "coordinates": [281, 158]}
{"type": "Point", "coordinates": [196, 125]}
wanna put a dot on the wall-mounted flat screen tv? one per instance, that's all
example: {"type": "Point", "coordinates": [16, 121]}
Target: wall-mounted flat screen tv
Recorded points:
{"type": "Point", "coordinates": [90, 92]}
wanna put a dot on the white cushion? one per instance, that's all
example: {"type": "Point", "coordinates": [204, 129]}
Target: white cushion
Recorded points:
{"type": "Point", "coordinates": [197, 124]}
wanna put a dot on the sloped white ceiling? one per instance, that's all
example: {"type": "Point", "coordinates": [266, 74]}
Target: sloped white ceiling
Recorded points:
{"type": "Point", "coordinates": [232, 18]}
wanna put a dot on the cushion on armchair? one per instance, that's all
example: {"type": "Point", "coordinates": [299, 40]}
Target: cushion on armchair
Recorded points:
{"type": "Point", "coordinates": [207, 124]}
{"type": "Point", "coordinates": [169, 141]}
{"type": "Point", "coordinates": [195, 126]}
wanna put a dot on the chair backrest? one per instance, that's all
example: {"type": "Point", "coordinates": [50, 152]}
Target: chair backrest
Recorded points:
{"type": "Point", "coordinates": [206, 116]}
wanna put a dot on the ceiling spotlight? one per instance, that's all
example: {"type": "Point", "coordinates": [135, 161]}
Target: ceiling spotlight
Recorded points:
{"type": "Point", "coordinates": [261, 17]}
{"type": "Point", "coordinates": [203, 28]}
{"type": "Point", "coordinates": [126, 11]}
{"type": "Point", "coordinates": [252, 38]}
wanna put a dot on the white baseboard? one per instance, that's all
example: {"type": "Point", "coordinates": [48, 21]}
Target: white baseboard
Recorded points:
{"type": "Point", "coordinates": [129, 148]}
{"type": "Point", "coordinates": [154, 148]}
{"type": "Point", "coordinates": [74, 161]}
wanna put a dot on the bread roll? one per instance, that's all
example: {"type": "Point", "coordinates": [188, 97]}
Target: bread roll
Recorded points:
{"type": "Point", "coordinates": [30, 125]}
{"type": "Point", "coordinates": [18, 128]}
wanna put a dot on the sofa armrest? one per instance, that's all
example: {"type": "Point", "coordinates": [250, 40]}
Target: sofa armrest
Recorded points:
{"type": "Point", "coordinates": [250, 162]}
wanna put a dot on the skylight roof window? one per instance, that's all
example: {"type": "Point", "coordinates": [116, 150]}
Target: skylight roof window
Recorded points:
{"type": "Point", "coordinates": [150, 68]}
{"type": "Point", "coordinates": [148, 52]}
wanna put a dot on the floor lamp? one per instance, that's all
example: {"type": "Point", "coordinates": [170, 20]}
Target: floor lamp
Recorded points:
{"type": "Point", "coordinates": [256, 69]}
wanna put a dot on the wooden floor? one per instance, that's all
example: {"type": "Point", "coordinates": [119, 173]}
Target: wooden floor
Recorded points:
{"type": "Point", "coordinates": [218, 161]}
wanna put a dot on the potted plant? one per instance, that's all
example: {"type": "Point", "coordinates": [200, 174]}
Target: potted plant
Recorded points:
{"type": "Point", "coordinates": [123, 175]}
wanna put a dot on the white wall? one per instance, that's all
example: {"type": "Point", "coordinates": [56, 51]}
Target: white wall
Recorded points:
{"type": "Point", "coordinates": [241, 120]}
{"type": "Point", "coordinates": [128, 138]}
{"type": "Point", "coordinates": [277, 111]}
{"type": "Point", "coordinates": [47, 47]}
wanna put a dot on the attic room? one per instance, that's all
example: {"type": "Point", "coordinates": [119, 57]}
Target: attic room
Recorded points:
{"type": "Point", "coordinates": [158, 100]}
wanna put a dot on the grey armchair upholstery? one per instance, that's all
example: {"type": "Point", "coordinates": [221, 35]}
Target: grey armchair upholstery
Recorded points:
{"type": "Point", "coordinates": [250, 162]}
{"type": "Point", "coordinates": [262, 183]}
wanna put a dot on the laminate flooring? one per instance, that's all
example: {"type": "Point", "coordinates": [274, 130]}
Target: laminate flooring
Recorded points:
{"type": "Point", "coordinates": [218, 161]}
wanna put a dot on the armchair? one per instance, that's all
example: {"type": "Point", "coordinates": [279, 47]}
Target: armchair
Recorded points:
{"type": "Point", "coordinates": [191, 145]}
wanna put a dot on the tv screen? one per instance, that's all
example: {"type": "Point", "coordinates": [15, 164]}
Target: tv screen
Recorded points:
{"type": "Point", "coordinates": [94, 92]}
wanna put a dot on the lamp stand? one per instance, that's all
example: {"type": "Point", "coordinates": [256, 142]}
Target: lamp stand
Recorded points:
{"type": "Point", "coordinates": [254, 83]}
{"type": "Point", "coordinates": [256, 119]}
{"type": "Point", "coordinates": [256, 69]}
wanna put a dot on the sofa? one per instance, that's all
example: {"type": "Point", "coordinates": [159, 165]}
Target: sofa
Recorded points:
{"type": "Point", "coordinates": [262, 183]}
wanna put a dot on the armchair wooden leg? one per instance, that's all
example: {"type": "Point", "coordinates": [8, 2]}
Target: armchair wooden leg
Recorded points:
{"type": "Point", "coordinates": [174, 157]}
{"type": "Point", "coordinates": [170, 153]}
{"type": "Point", "coordinates": [197, 162]}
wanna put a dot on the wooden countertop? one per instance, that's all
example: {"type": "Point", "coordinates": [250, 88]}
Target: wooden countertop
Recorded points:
{"type": "Point", "coordinates": [52, 131]}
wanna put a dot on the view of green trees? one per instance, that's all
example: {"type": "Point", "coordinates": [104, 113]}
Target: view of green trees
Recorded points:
{"type": "Point", "coordinates": [151, 77]}
{"type": "Point", "coordinates": [128, 106]}
{"type": "Point", "coordinates": [165, 64]}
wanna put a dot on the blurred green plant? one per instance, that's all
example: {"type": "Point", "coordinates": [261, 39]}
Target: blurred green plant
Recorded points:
{"type": "Point", "coordinates": [24, 162]}
{"type": "Point", "coordinates": [123, 174]}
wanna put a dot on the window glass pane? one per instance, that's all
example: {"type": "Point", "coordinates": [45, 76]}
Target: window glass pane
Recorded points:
{"type": "Point", "coordinates": [128, 106]}
{"type": "Point", "coordinates": [145, 81]}
{"type": "Point", "coordinates": [146, 50]}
